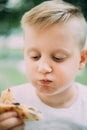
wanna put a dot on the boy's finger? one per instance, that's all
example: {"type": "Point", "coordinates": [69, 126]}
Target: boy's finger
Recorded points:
{"type": "Point", "coordinates": [7, 115]}
{"type": "Point", "coordinates": [20, 127]}
{"type": "Point", "coordinates": [10, 123]}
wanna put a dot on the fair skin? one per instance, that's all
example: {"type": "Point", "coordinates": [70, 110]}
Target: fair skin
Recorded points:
{"type": "Point", "coordinates": [10, 121]}
{"type": "Point", "coordinates": [52, 59]}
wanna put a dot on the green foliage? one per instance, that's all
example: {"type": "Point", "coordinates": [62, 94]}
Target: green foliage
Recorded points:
{"type": "Point", "coordinates": [82, 77]}
{"type": "Point", "coordinates": [10, 17]}
{"type": "Point", "coordinates": [10, 75]}
{"type": "Point", "coordinates": [36, 2]}
{"type": "Point", "coordinates": [6, 53]}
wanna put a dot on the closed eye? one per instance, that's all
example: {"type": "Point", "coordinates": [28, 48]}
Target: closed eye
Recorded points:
{"type": "Point", "coordinates": [35, 57]}
{"type": "Point", "coordinates": [58, 59]}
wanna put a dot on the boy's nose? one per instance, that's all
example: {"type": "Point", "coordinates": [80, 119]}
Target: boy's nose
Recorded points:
{"type": "Point", "coordinates": [44, 68]}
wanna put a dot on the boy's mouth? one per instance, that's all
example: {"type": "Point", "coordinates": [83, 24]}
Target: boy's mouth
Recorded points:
{"type": "Point", "coordinates": [45, 81]}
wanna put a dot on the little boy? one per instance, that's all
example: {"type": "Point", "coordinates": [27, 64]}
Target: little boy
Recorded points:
{"type": "Point", "coordinates": [55, 37]}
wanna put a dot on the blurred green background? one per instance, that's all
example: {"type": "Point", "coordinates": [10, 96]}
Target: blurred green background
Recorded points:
{"type": "Point", "coordinates": [12, 69]}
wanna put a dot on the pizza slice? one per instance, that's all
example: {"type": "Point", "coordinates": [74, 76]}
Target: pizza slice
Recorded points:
{"type": "Point", "coordinates": [27, 113]}
{"type": "Point", "coordinates": [7, 97]}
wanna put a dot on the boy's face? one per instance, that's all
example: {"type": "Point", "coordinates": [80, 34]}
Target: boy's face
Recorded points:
{"type": "Point", "coordinates": [52, 58]}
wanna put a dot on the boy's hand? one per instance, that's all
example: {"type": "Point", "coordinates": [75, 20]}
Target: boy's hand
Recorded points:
{"type": "Point", "coordinates": [10, 121]}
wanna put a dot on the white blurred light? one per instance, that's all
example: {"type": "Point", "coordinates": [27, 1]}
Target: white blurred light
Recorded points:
{"type": "Point", "coordinates": [13, 3]}
{"type": "Point", "coordinates": [15, 41]}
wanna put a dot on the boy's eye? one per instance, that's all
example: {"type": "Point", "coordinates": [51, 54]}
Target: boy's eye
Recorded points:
{"type": "Point", "coordinates": [35, 57]}
{"type": "Point", "coordinates": [59, 59]}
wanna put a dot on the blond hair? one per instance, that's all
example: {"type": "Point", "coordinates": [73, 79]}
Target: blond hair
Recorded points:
{"type": "Point", "coordinates": [53, 12]}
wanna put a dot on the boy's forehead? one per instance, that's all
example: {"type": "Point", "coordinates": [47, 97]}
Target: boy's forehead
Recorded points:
{"type": "Point", "coordinates": [73, 27]}
{"type": "Point", "coordinates": [59, 34]}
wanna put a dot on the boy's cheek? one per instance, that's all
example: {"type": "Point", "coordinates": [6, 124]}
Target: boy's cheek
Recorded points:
{"type": "Point", "coordinates": [30, 70]}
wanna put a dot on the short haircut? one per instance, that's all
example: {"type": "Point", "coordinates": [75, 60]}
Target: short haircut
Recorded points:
{"type": "Point", "coordinates": [53, 12]}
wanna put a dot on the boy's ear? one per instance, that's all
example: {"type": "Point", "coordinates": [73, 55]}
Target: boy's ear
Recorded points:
{"type": "Point", "coordinates": [83, 59]}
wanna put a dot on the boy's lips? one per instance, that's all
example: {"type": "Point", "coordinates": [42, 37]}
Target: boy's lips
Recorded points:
{"type": "Point", "coordinates": [44, 81]}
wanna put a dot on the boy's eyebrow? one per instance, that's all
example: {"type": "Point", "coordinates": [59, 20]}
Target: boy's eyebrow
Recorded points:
{"type": "Point", "coordinates": [62, 50]}
{"type": "Point", "coordinates": [55, 49]}
{"type": "Point", "coordinates": [31, 49]}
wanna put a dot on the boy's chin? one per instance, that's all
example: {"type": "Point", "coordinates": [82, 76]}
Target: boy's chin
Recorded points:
{"type": "Point", "coordinates": [52, 93]}
{"type": "Point", "coordinates": [56, 92]}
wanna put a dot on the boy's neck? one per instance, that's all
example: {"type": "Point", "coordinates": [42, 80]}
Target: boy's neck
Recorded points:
{"type": "Point", "coordinates": [63, 100]}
